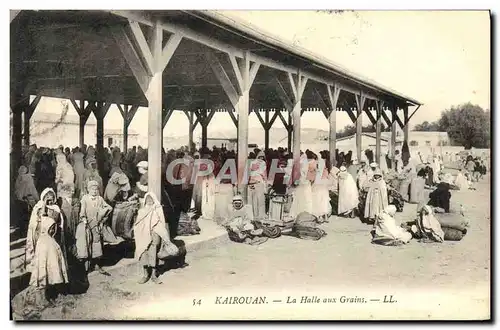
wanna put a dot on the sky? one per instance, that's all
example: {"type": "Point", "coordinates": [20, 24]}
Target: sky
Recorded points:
{"type": "Point", "coordinates": [440, 58]}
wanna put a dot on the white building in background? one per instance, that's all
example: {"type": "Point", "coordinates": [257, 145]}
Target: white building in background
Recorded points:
{"type": "Point", "coordinates": [368, 141]}
{"type": "Point", "coordinates": [114, 138]}
{"type": "Point", "coordinates": [55, 129]}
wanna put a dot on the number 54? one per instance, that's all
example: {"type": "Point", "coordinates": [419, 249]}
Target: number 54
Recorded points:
{"type": "Point", "coordinates": [196, 302]}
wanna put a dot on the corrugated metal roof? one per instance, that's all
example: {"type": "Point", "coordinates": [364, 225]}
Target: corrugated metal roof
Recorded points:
{"type": "Point", "coordinates": [265, 37]}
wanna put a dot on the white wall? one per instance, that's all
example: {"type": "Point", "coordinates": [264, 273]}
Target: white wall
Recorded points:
{"type": "Point", "coordinates": [46, 135]}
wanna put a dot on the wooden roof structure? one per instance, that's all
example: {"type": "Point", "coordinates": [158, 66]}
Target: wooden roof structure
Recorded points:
{"type": "Point", "coordinates": [199, 62]}
{"type": "Point", "coordinates": [73, 55]}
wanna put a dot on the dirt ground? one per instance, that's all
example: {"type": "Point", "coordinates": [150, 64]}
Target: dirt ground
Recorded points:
{"type": "Point", "coordinates": [450, 280]}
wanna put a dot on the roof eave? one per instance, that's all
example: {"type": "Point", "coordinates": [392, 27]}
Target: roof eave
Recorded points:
{"type": "Point", "coordinates": [319, 61]}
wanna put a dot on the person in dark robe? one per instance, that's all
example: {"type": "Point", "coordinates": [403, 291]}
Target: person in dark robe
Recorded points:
{"type": "Point", "coordinates": [440, 197]}
{"type": "Point", "coordinates": [45, 174]}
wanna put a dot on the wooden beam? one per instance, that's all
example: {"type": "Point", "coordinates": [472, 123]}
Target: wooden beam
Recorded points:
{"type": "Point", "coordinates": [386, 118]}
{"type": "Point", "coordinates": [398, 120]}
{"type": "Point", "coordinates": [237, 73]}
{"type": "Point", "coordinates": [283, 120]}
{"type": "Point", "coordinates": [169, 50]}
{"type": "Point", "coordinates": [370, 116]}
{"type": "Point", "coordinates": [167, 113]}
{"type": "Point", "coordinates": [262, 122]}
{"type": "Point", "coordinates": [122, 111]}
{"type": "Point", "coordinates": [213, 43]}
{"type": "Point", "coordinates": [378, 136]}
{"type": "Point", "coordinates": [254, 68]}
{"type": "Point", "coordinates": [143, 47]}
{"type": "Point", "coordinates": [223, 78]}
{"type": "Point", "coordinates": [360, 102]}
{"type": "Point", "coordinates": [293, 85]}
{"type": "Point", "coordinates": [131, 113]}
{"type": "Point", "coordinates": [210, 116]}
{"type": "Point", "coordinates": [273, 119]}
{"type": "Point", "coordinates": [406, 122]}
{"type": "Point", "coordinates": [129, 53]}
{"type": "Point", "coordinates": [155, 103]}
{"type": "Point", "coordinates": [324, 106]}
{"type": "Point", "coordinates": [333, 97]}
{"type": "Point", "coordinates": [282, 94]}
{"type": "Point", "coordinates": [351, 115]}
{"type": "Point", "coordinates": [233, 117]}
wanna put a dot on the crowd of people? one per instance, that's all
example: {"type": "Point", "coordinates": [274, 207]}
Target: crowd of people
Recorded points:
{"type": "Point", "coordinates": [63, 202]}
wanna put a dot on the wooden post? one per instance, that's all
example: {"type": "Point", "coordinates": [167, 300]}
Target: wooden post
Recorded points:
{"type": "Point", "coordinates": [125, 128]}
{"type": "Point", "coordinates": [298, 85]}
{"type": "Point", "coordinates": [28, 113]}
{"type": "Point", "coordinates": [393, 137]}
{"type": "Point", "coordinates": [155, 124]}
{"type": "Point", "coordinates": [360, 102]}
{"type": "Point", "coordinates": [100, 110]}
{"type": "Point", "coordinates": [378, 127]}
{"type": "Point", "coordinates": [84, 113]}
{"type": "Point", "coordinates": [239, 96]}
{"type": "Point", "coordinates": [406, 122]}
{"type": "Point", "coordinates": [128, 112]}
{"type": "Point", "coordinates": [18, 104]}
{"type": "Point", "coordinates": [290, 132]}
{"type": "Point", "coordinates": [333, 97]}
{"type": "Point", "coordinates": [266, 130]}
{"type": "Point", "coordinates": [204, 128]}
{"type": "Point", "coordinates": [147, 63]}
{"type": "Point", "coordinates": [243, 112]}
{"type": "Point", "coordinates": [191, 129]}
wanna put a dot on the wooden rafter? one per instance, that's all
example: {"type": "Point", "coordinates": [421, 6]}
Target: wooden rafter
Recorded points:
{"type": "Point", "coordinates": [143, 47]}
{"type": "Point", "coordinates": [100, 109]}
{"type": "Point", "coordinates": [169, 49]}
{"type": "Point", "coordinates": [370, 116]}
{"type": "Point", "coordinates": [386, 118]}
{"type": "Point", "coordinates": [225, 47]}
{"type": "Point", "coordinates": [233, 117]}
{"type": "Point", "coordinates": [273, 118]}
{"type": "Point", "coordinates": [130, 54]}
{"type": "Point", "coordinates": [283, 120]}
{"type": "Point", "coordinates": [237, 73]}
{"type": "Point", "coordinates": [351, 115]}
{"type": "Point", "coordinates": [223, 78]}
{"type": "Point", "coordinates": [262, 122]}
{"type": "Point", "coordinates": [282, 94]}
{"type": "Point", "coordinates": [166, 114]}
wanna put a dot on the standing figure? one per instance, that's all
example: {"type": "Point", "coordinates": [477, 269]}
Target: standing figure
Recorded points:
{"type": "Point", "coordinates": [320, 192]}
{"type": "Point", "coordinates": [302, 194]}
{"type": "Point", "coordinates": [79, 170]}
{"type": "Point", "coordinates": [92, 174]}
{"type": "Point", "coordinates": [348, 193]}
{"type": "Point", "coordinates": [45, 207]}
{"type": "Point", "coordinates": [257, 186]}
{"type": "Point", "coordinates": [48, 267]}
{"type": "Point", "coordinates": [93, 212]}
{"type": "Point", "coordinates": [417, 188]}
{"type": "Point", "coordinates": [376, 199]}
{"type": "Point", "coordinates": [406, 175]}
{"type": "Point", "coordinates": [208, 187]}
{"type": "Point", "coordinates": [64, 173]}
{"type": "Point", "coordinates": [151, 236]}
{"type": "Point", "coordinates": [198, 184]}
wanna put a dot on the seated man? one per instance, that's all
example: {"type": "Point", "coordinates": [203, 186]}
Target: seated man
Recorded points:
{"type": "Point", "coordinates": [239, 224]}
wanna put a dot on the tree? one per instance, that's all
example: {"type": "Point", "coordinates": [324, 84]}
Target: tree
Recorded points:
{"type": "Point", "coordinates": [428, 127]}
{"type": "Point", "coordinates": [351, 130]}
{"type": "Point", "coordinates": [467, 125]}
